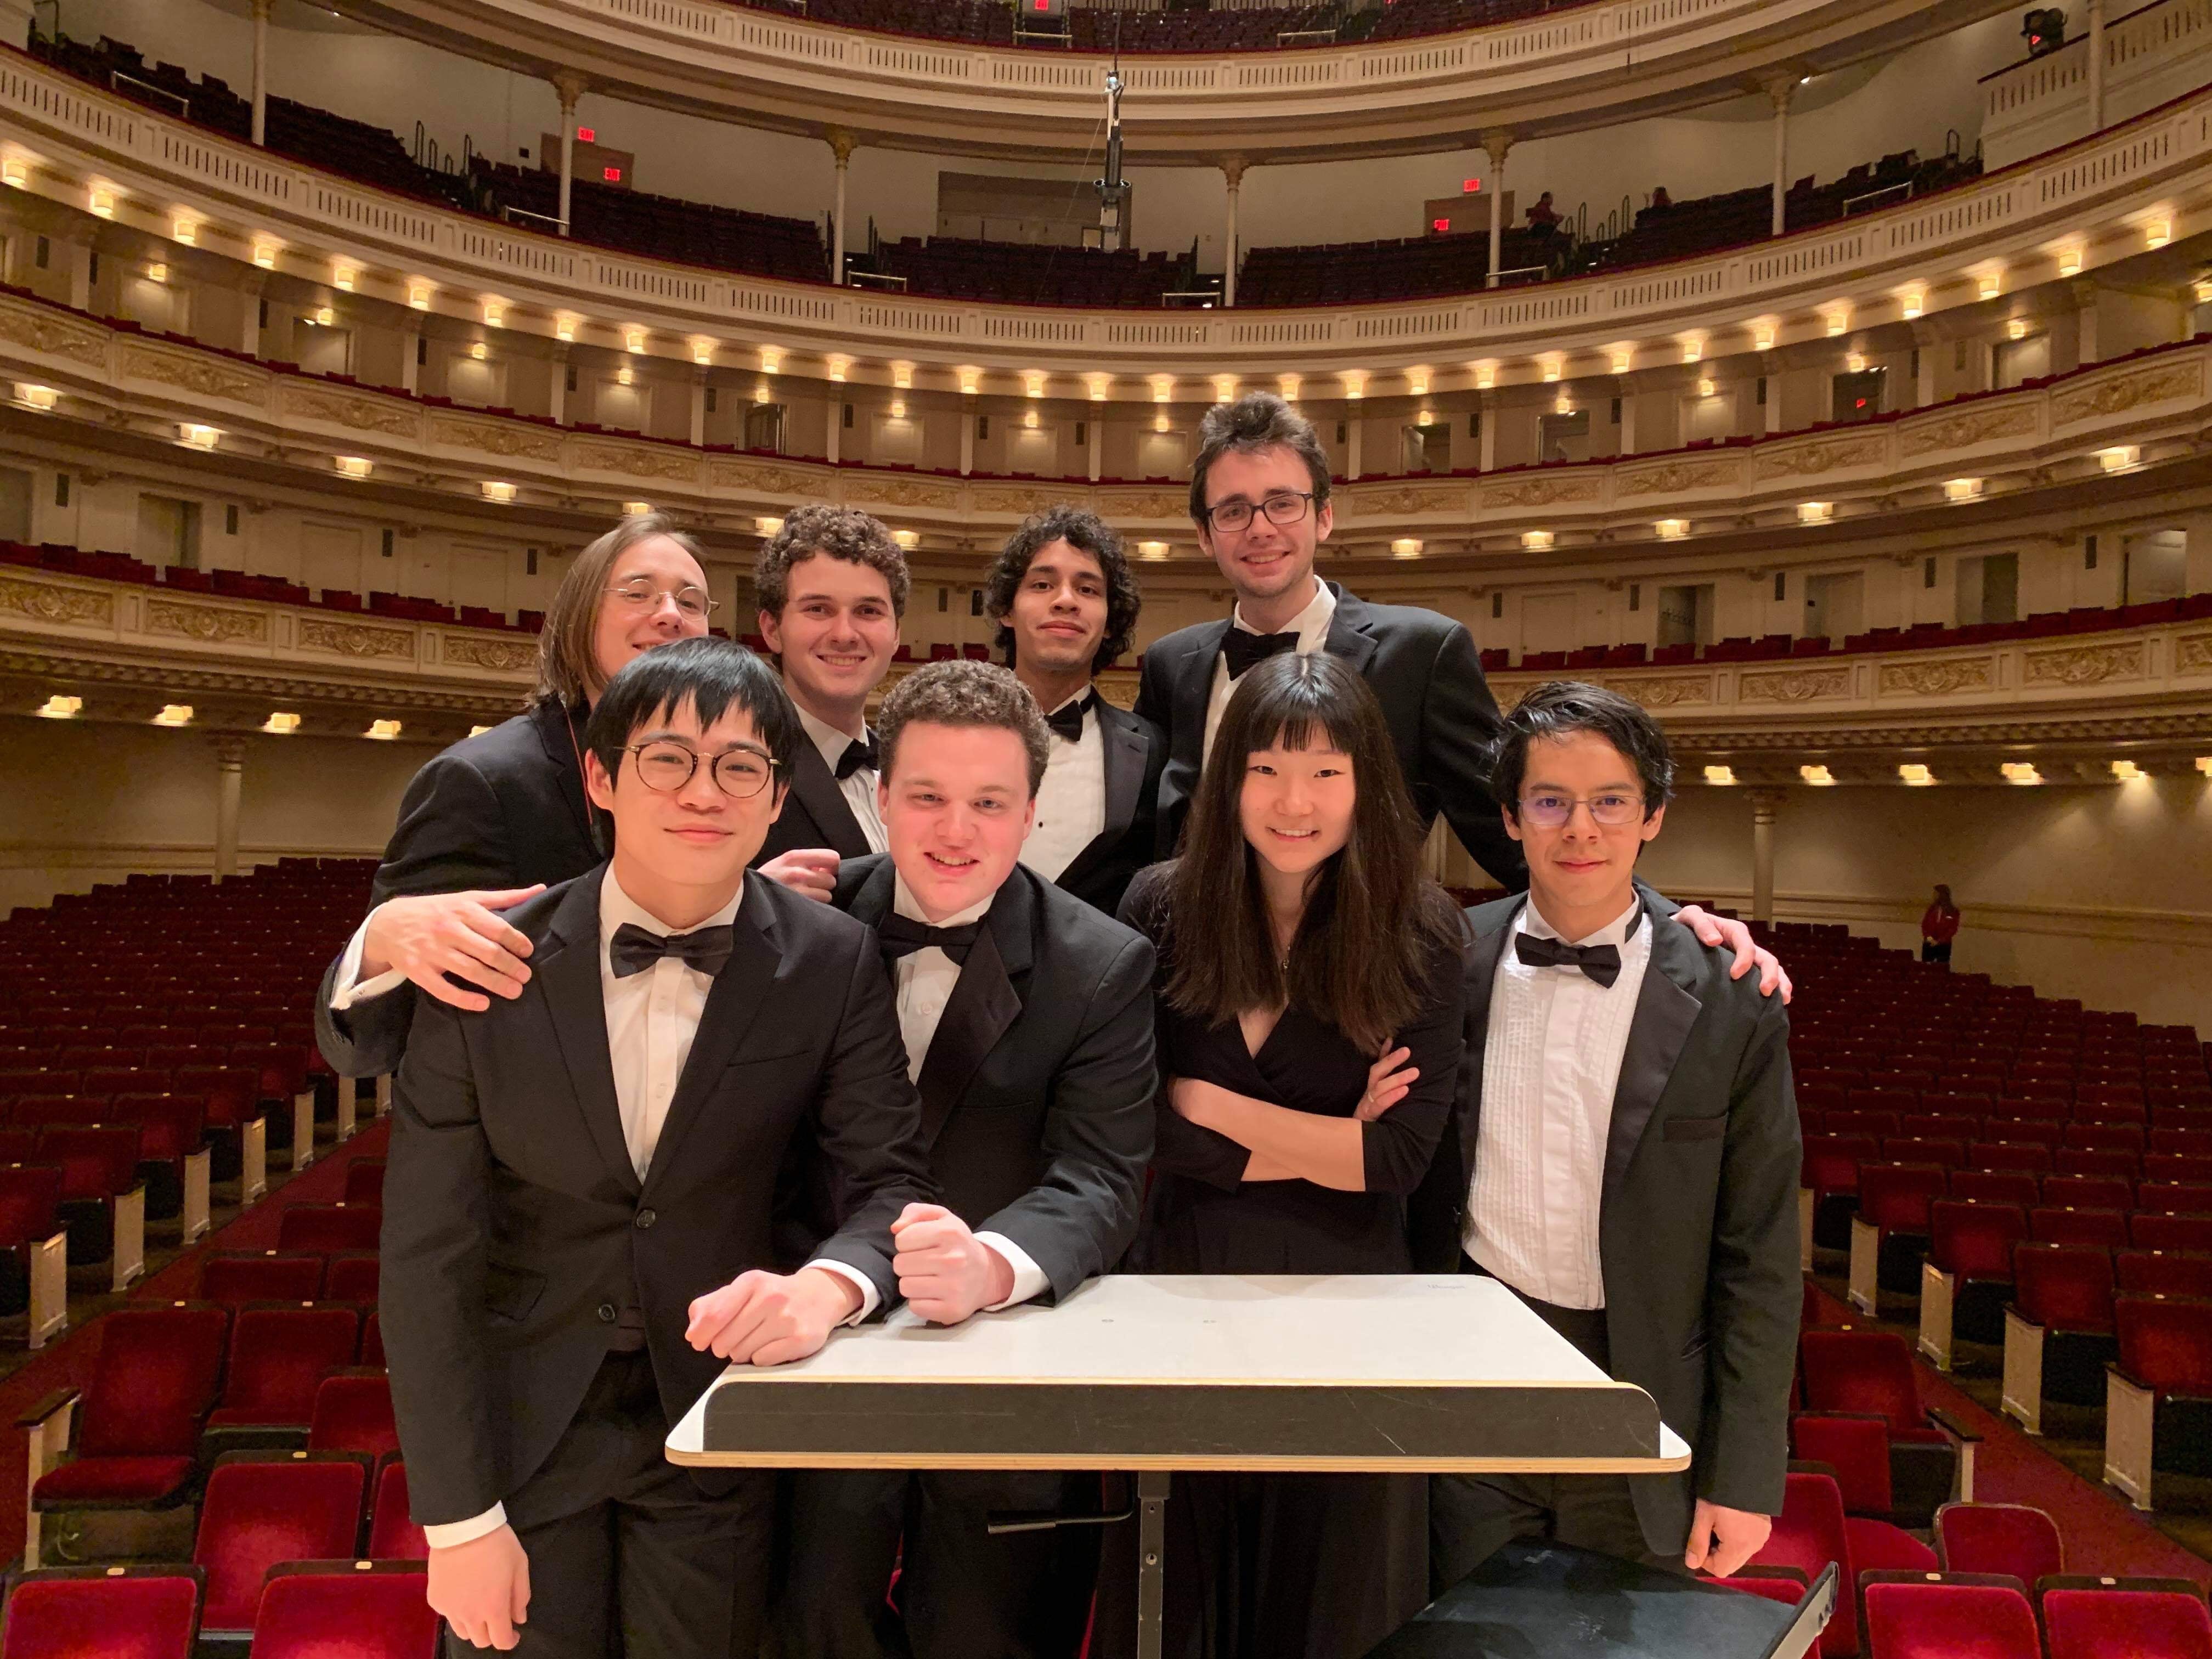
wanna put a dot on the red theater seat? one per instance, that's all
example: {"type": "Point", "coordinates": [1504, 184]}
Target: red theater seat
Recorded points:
{"type": "Point", "coordinates": [392, 1536]}
{"type": "Point", "coordinates": [353, 1414]}
{"type": "Point", "coordinates": [2126, 1618]}
{"type": "Point", "coordinates": [278, 1359]}
{"type": "Point", "coordinates": [232, 1281]}
{"type": "Point", "coordinates": [329, 1228]}
{"type": "Point", "coordinates": [364, 1181]}
{"type": "Point", "coordinates": [1809, 1535]}
{"type": "Point", "coordinates": [260, 1511]}
{"type": "Point", "coordinates": [1870, 1372]}
{"type": "Point", "coordinates": [2053, 1224]}
{"type": "Point", "coordinates": [352, 1279]}
{"type": "Point", "coordinates": [1892, 1222]}
{"type": "Point", "coordinates": [2003, 1538]}
{"type": "Point", "coordinates": [1940, 1617]}
{"type": "Point", "coordinates": [357, 1609]}
{"type": "Point", "coordinates": [114, 1612]}
{"type": "Point", "coordinates": [139, 1424]}
{"type": "Point", "coordinates": [2156, 1273]}
{"type": "Point", "coordinates": [2192, 1233]}
{"type": "Point", "coordinates": [1966, 1274]}
{"type": "Point", "coordinates": [2157, 1399]}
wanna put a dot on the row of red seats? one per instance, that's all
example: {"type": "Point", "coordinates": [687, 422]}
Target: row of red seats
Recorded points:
{"type": "Point", "coordinates": [303, 1609]}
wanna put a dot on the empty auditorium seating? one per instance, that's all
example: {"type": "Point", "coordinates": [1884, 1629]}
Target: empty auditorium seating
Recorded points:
{"type": "Point", "coordinates": [1870, 1372]}
{"type": "Point", "coordinates": [353, 1414]}
{"type": "Point", "coordinates": [270, 1276]}
{"type": "Point", "coordinates": [373, 1609]}
{"type": "Point", "coordinates": [329, 1228]}
{"type": "Point", "coordinates": [263, 1509]}
{"type": "Point", "coordinates": [1968, 1274]}
{"type": "Point", "coordinates": [1855, 1450]}
{"type": "Point", "coordinates": [2157, 1399]}
{"type": "Point", "coordinates": [117, 1612]}
{"type": "Point", "coordinates": [1809, 1536]}
{"type": "Point", "coordinates": [1890, 1227]}
{"type": "Point", "coordinates": [279, 1356]}
{"type": "Point", "coordinates": [2006, 1538]}
{"type": "Point", "coordinates": [1027, 274]}
{"type": "Point", "coordinates": [2125, 1619]}
{"type": "Point", "coordinates": [37, 1249]}
{"type": "Point", "coordinates": [351, 1279]}
{"type": "Point", "coordinates": [1948, 1616]}
{"type": "Point", "coordinates": [392, 1533]}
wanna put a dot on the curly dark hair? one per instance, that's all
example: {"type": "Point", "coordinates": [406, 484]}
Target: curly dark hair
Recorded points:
{"type": "Point", "coordinates": [1083, 530]}
{"type": "Point", "coordinates": [837, 532]}
{"type": "Point", "coordinates": [972, 694]}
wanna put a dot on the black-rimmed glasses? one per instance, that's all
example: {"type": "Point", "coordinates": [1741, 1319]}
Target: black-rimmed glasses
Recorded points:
{"type": "Point", "coordinates": [667, 765]}
{"type": "Point", "coordinates": [1283, 506]}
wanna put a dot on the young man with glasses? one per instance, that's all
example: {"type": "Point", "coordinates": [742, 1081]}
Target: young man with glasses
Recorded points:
{"type": "Point", "coordinates": [1258, 495]}
{"type": "Point", "coordinates": [578, 1215]}
{"type": "Point", "coordinates": [1627, 1156]}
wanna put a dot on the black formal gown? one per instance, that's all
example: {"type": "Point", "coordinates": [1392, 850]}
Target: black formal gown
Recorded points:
{"type": "Point", "coordinates": [1302, 1566]}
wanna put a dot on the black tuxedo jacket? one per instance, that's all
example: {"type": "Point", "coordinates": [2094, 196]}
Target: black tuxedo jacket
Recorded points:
{"type": "Point", "coordinates": [1697, 1229]}
{"type": "Point", "coordinates": [1036, 1093]}
{"type": "Point", "coordinates": [516, 1230]}
{"type": "Point", "coordinates": [503, 810]}
{"type": "Point", "coordinates": [1136, 755]}
{"type": "Point", "coordinates": [815, 812]}
{"type": "Point", "coordinates": [1426, 673]}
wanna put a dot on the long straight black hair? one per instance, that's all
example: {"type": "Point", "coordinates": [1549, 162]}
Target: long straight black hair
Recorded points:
{"type": "Point", "coordinates": [1374, 923]}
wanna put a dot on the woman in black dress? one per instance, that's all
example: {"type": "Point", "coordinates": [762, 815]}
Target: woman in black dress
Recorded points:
{"type": "Point", "coordinates": [1309, 1038]}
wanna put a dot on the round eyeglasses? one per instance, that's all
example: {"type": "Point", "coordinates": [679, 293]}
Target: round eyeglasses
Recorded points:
{"type": "Point", "coordinates": [1551, 811]}
{"type": "Point", "coordinates": [667, 765]}
{"type": "Point", "coordinates": [1283, 506]}
{"type": "Point", "coordinates": [644, 596]}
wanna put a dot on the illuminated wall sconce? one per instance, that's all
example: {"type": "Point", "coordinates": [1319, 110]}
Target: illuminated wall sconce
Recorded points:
{"type": "Point", "coordinates": [343, 278]}
{"type": "Point", "coordinates": [1855, 361]}
{"type": "Point", "coordinates": [1417, 383]}
{"type": "Point", "coordinates": [1915, 303]}
{"type": "Point", "coordinates": [838, 367]}
{"type": "Point", "coordinates": [2021, 772]}
{"type": "Point", "coordinates": [768, 526]}
{"type": "Point", "coordinates": [1030, 419]}
{"type": "Point", "coordinates": [174, 714]}
{"type": "Point", "coordinates": [15, 170]}
{"type": "Point", "coordinates": [383, 731]}
{"type": "Point", "coordinates": [636, 509]}
{"type": "Point", "coordinates": [479, 352]}
{"type": "Point", "coordinates": [1537, 541]}
{"type": "Point", "coordinates": [264, 254]}
{"type": "Point", "coordinates": [1486, 376]}
{"type": "Point", "coordinates": [2204, 291]}
{"type": "Point", "coordinates": [624, 375]}
{"type": "Point", "coordinates": [633, 340]}
{"type": "Point", "coordinates": [1355, 384]}
{"type": "Point", "coordinates": [2069, 262]}
{"type": "Point", "coordinates": [1989, 284]}
{"type": "Point", "coordinates": [2119, 457]}
{"type": "Point", "coordinates": [495, 489]}
{"type": "Point", "coordinates": [897, 411]}
{"type": "Point", "coordinates": [1817, 776]}
{"type": "Point", "coordinates": [1426, 416]}
{"type": "Point", "coordinates": [1290, 385]}
{"type": "Point", "coordinates": [2158, 232]}
{"type": "Point", "coordinates": [36, 397]}
{"type": "Point", "coordinates": [1915, 774]}
{"type": "Point", "coordinates": [902, 376]}
{"type": "Point", "coordinates": [906, 539]}
{"type": "Point", "coordinates": [2128, 772]}
{"type": "Point", "coordinates": [280, 723]}
{"type": "Point", "coordinates": [418, 295]}
{"type": "Point", "coordinates": [327, 317]}
{"type": "Point", "coordinates": [1162, 388]}
{"type": "Point", "coordinates": [101, 200]}
{"type": "Point", "coordinates": [1720, 774]}
{"type": "Point", "coordinates": [184, 230]}
{"type": "Point", "coordinates": [193, 436]}
{"type": "Point", "coordinates": [1762, 336]}
{"type": "Point", "coordinates": [564, 329]}
{"type": "Point", "coordinates": [1816, 512]}
{"type": "Point", "coordinates": [1962, 489]}
{"type": "Point", "coordinates": [1624, 359]}
{"type": "Point", "coordinates": [60, 708]}
{"type": "Point", "coordinates": [1672, 530]}
{"type": "Point", "coordinates": [1160, 422]}
{"type": "Point", "coordinates": [1563, 404]}
{"type": "Point", "coordinates": [157, 272]}
{"type": "Point", "coordinates": [1706, 387]}
{"type": "Point", "coordinates": [2204, 764]}
{"type": "Point", "coordinates": [494, 313]}
{"type": "Point", "coordinates": [1406, 547]}
{"type": "Point", "coordinates": [1553, 367]}
{"type": "Point", "coordinates": [1692, 350]}
{"type": "Point", "coordinates": [1033, 383]}
{"type": "Point", "coordinates": [971, 382]}
{"type": "Point", "coordinates": [1838, 321]}
{"type": "Point", "coordinates": [703, 352]}
{"type": "Point", "coordinates": [1153, 550]}
{"type": "Point", "coordinates": [1100, 385]}
{"type": "Point", "coordinates": [771, 359]}
{"type": "Point", "coordinates": [354, 466]}
{"type": "Point", "coordinates": [761, 393]}
{"type": "Point", "coordinates": [2016, 329]}
{"type": "Point", "coordinates": [1225, 388]}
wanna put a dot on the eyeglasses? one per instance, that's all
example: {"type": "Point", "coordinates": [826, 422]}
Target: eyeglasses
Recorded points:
{"type": "Point", "coordinates": [1551, 811]}
{"type": "Point", "coordinates": [644, 596]}
{"type": "Point", "coordinates": [1283, 506]}
{"type": "Point", "coordinates": [667, 767]}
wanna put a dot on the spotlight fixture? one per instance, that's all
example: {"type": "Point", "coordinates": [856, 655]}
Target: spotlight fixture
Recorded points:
{"type": "Point", "coordinates": [479, 352]}
{"type": "Point", "coordinates": [1915, 774]}
{"type": "Point", "coordinates": [280, 723]}
{"type": "Point", "coordinates": [2069, 262]}
{"type": "Point", "coordinates": [1623, 358]}
{"type": "Point", "coordinates": [898, 412]}
{"type": "Point", "coordinates": [703, 352]}
{"type": "Point", "coordinates": [1406, 547]}
{"type": "Point", "coordinates": [495, 489]}
{"type": "Point", "coordinates": [2128, 772]}
{"type": "Point", "coordinates": [1672, 530]}
{"type": "Point", "coordinates": [1762, 337]}
{"type": "Point", "coordinates": [1417, 382]}
{"type": "Point", "coordinates": [174, 714]}
{"type": "Point", "coordinates": [1855, 363]}
{"type": "Point", "coordinates": [902, 376]}
{"type": "Point", "coordinates": [1291, 383]}
{"type": "Point", "coordinates": [1537, 541]}
{"type": "Point", "coordinates": [2204, 764]}
{"type": "Point", "coordinates": [1915, 303]}
{"type": "Point", "coordinates": [2119, 457]}
{"type": "Point", "coordinates": [634, 340]}
{"type": "Point", "coordinates": [157, 272]}
{"type": "Point", "coordinates": [1816, 513]}
{"type": "Point", "coordinates": [2158, 232]}
{"type": "Point", "coordinates": [1486, 376]}
{"type": "Point", "coordinates": [1224, 389]}
{"type": "Point", "coordinates": [354, 466]}
{"type": "Point", "coordinates": [837, 367]}
{"type": "Point", "coordinates": [1720, 774]}
{"type": "Point", "coordinates": [1961, 489]}
{"type": "Point", "coordinates": [1989, 284]}
{"type": "Point", "coordinates": [1162, 388]}
{"type": "Point", "coordinates": [2021, 772]}
{"type": "Point", "coordinates": [61, 708]}
{"type": "Point", "coordinates": [1692, 350]}
{"type": "Point", "coordinates": [327, 317]}
{"type": "Point", "coordinates": [36, 397]}
{"type": "Point", "coordinates": [383, 731]}
{"type": "Point", "coordinates": [1355, 384]}
{"type": "Point", "coordinates": [761, 393]}
{"type": "Point", "coordinates": [1819, 776]}
{"type": "Point", "coordinates": [1553, 367]}
{"type": "Point", "coordinates": [1033, 383]}
{"type": "Point", "coordinates": [193, 436]}
{"type": "Point", "coordinates": [971, 382]}
{"type": "Point", "coordinates": [2016, 329]}
{"type": "Point", "coordinates": [1705, 386]}
{"type": "Point", "coordinates": [1100, 384]}
{"type": "Point", "coordinates": [625, 375]}
{"type": "Point", "coordinates": [1029, 416]}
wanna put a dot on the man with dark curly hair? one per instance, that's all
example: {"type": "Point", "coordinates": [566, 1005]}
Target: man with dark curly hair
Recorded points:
{"type": "Point", "coordinates": [1066, 604]}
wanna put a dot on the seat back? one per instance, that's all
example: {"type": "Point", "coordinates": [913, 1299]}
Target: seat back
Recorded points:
{"type": "Point", "coordinates": [351, 1279]}
{"type": "Point", "coordinates": [353, 1414]}
{"type": "Point", "coordinates": [2192, 1233]}
{"type": "Point", "coordinates": [1861, 1373]}
{"type": "Point", "coordinates": [1856, 1448]}
{"type": "Point", "coordinates": [2090, 1192]}
{"type": "Point", "coordinates": [153, 1383]}
{"type": "Point", "coordinates": [1895, 1197]}
{"type": "Point", "coordinates": [280, 1355]}
{"type": "Point", "coordinates": [1994, 1186]}
{"type": "Point", "coordinates": [233, 1280]}
{"type": "Point", "coordinates": [29, 1193]}
{"type": "Point", "coordinates": [364, 1181]}
{"type": "Point", "coordinates": [363, 1609]}
{"type": "Point", "coordinates": [259, 1511]}
{"type": "Point", "coordinates": [2012, 1538]}
{"type": "Point", "coordinates": [2166, 1345]}
{"type": "Point", "coordinates": [2084, 1619]}
{"type": "Point", "coordinates": [119, 1613]}
{"type": "Point", "coordinates": [2175, 1198]}
{"type": "Point", "coordinates": [329, 1228]}
{"type": "Point", "coordinates": [1935, 1618]}
{"type": "Point", "coordinates": [1808, 1534]}
{"type": "Point", "coordinates": [2052, 1224]}
{"type": "Point", "coordinates": [2156, 1273]}
{"type": "Point", "coordinates": [1975, 1241]}
{"type": "Point", "coordinates": [393, 1535]}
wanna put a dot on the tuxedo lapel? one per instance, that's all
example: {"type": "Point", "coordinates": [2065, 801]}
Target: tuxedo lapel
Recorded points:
{"type": "Point", "coordinates": [732, 1005]}
{"type": "Point", "coordinates": [986, 1000]}
{"type": "Point", "coordinates": [1194, 690]}
{"type": "Point", "coordinates": [1348, 637]}
{"type": "Point", "coordinates": [1482, 954]}
{"type": "Point", "coordinates": [1123, 742]}
{"type": "Point", "coordinates": [1666, 1009]}
{"type": "Point", "coordinates": [568, 977]}
{"type": "Point", "coordinates": [561, 743]}
{"type": "Point", "coordinates": [814, 787]}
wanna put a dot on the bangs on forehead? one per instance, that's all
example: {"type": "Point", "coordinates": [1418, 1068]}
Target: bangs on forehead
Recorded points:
{"type": "Point", "coordinates": [707, 706]}
{"type": "Point", "coordinates": [1311, 730]}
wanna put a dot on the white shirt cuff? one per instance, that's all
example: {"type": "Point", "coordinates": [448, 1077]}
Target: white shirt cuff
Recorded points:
{"type": "Point", "coordinates": [1029, 1278]}
{"type": "Point", "coordinates": [869, 1296]}
{"type": "Point", "coordinates": [467, 1532]}
{"type": "Point", "coordinates": [345, 992]}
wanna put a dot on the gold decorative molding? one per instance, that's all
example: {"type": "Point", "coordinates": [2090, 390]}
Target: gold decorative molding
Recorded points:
{"type": "Point", "coordinates": [768, 479]}
{"type": "Point", "coordinates": [200, 374]}
{"type": "Point", "coordinates": [1150, 504]}
{"type": "Point", "coordinates": [56, 336]}
{"type": "Point", "coordinates": [1793, 685]}
{"type": "Point", "coordinates": [211, 623]}
{"type": "Point", "coordinates": [2123, 391]}
{"type": "Point", "coordinates": [1543, 492]}
{"type": "Point", "coordinates": [497, 437]}
{"type": "Point", "coordinates": [356, 639]}
{"type": "Point", "coordinates": [2193, 654]}
{"type": "Point", "coordinates": [903, 492]}
{"type": "Point", "coordinates": [311, 402]}
{"type": "Point", "coordinates": [1676, 476]}
{"type": "Point", "coordinates": [49, 602]}
{"type": "Point", "coordinates": [1665, 691]}
{"type": "Point", "coordinates": [1962, 431]}
{"type": "Point", "coordinates": [1938, 679]}
{"type": "Point", "coordinates": [642, 461]}
{"type": "Point", "coordinates": [498, 656]}
{"type": "Point", "coordinates": [1017, 498]}
{"type": "Point", "coordinates": [1407, 499]}
{"type": "Point", "coordinates": [2086, 665]}
{"type": "Point", "coordinates": [1810, 460]}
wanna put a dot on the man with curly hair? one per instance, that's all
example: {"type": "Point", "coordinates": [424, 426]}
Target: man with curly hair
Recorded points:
{"type": "Point", "coordinates": [1067, 604]}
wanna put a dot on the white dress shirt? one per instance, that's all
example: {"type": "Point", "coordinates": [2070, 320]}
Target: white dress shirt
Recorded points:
{"type": "Point", "coordinates": [925, 979]}
{"type": "Point", "coordinates": [858, 787]}
{"type": "Point", "coordinates": [1311, 626]}
{"type": "Point", "coordinates": [1549, 1070]}
{"type": "Point", "coordinates": [1071, 802]}
{"type": "Point", "coordinates": [652, 1017]}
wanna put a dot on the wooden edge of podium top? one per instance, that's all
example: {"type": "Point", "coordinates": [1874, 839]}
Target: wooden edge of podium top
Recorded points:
{"type": "Point", "coordinates": [1140, 1462]}
{"type": "Point", "coordinates": [783, 1377]}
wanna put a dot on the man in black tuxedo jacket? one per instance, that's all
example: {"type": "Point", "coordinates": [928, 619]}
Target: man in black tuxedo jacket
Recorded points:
{"type": "Point", "coordinates": [1628, 1156]}
{"type": "Point", "coordinates": [577, 1221]}
{"type": "Point", "coordinates": [1028, 1020]}
{"type": "Point", "coordinates": [832, 586]}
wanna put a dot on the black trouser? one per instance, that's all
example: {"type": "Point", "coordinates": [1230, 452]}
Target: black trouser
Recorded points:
{"type": "Point", "coordinates": [1939, 953]}
{"type": "Point", "coordinates": [626, 1556]}
{"type": "Point", "coordinates": [1471, 1515]}
{"type": "Point", "coordinates": [963, 1593]}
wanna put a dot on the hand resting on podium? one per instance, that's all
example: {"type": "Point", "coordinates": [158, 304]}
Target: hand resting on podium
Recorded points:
{"type": "Point", "coordinates": [945, 1271]}
{"type": "Point", "coordinates": [770, 1319]}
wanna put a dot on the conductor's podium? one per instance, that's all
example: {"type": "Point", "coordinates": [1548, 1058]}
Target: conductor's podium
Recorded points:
{"type": "Point", "coordinates": [1412, 1375]}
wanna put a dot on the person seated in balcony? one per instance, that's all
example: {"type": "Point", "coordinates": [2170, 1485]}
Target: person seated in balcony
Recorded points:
{"type": "Point", "coordinates": [1661, 201]}
{"type": "Point", "coordinates": [1939, 926]}
{"type": "Point", "coordinates": [1543, 217]}
{"type": "Point", "coordinates": [500, 816]}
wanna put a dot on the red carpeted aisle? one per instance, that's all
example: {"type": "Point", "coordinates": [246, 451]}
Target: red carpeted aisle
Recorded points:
{"type": "Point", "coordinates": [2101, 1533]}
{"type": "Point", "coordinates": [69, 1363]}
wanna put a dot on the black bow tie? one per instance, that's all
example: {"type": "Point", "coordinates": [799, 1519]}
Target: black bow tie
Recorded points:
{"type": "Point", "coordinates": [1241, 649]}
{"type": "Point", "coordinates": [857, 755]}
{"type": "Point", "coordinates": [1066, 720]}
{"type": "Point", "coordinates": [902, 937]}
{"type": "Point", "coordinates": [1599, 963]}
{"type": "Point", "coordinates": [634, 950]}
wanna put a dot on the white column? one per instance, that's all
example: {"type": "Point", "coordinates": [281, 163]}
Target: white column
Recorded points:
{"type": "Point", "coordinates": [261, 71]}
{"type": "Point", "coordinates": [411, 373]}
{"type": "Point", "coordinates": [1488, 459]}
{"type": "Point", "coordinates": [249, 331]}
{"type": "Point", "coordinates": [1494, 146]}
{"type": "Point", "coordinates": [2085, 315]}
{"type": "Point", "coordinates": [79, 254]}
{"type": "Point", "coordinates": [2096, 65]}
{"type": "Point", "coordinates": [1098, 447]}
{"type": "Point", "coordinates": [556, 406]}
{"type": "Point", "coordinates": [1765, 807]}
{"type": "Point", "coordinates": [836, 422]}
{"type": "Point", "coordinates": [1352, 442]}
{"type": "Point", "coordinates": [698, 404]}
{"type": "Point", "coordinates": [1779, 91]}
{"type": "Point", "coordinates": [1627, 416]}
{"type": "Point", "coordinates": [841, 145]}
{"type": "Point", "coordinates": [230, 769]}
{"type": "Point", "coordinates": [1232, 170]}
{"type": "Point", "coordinates": [570, 86]}
{"type": "Point", "coordinates": [967, 439]}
